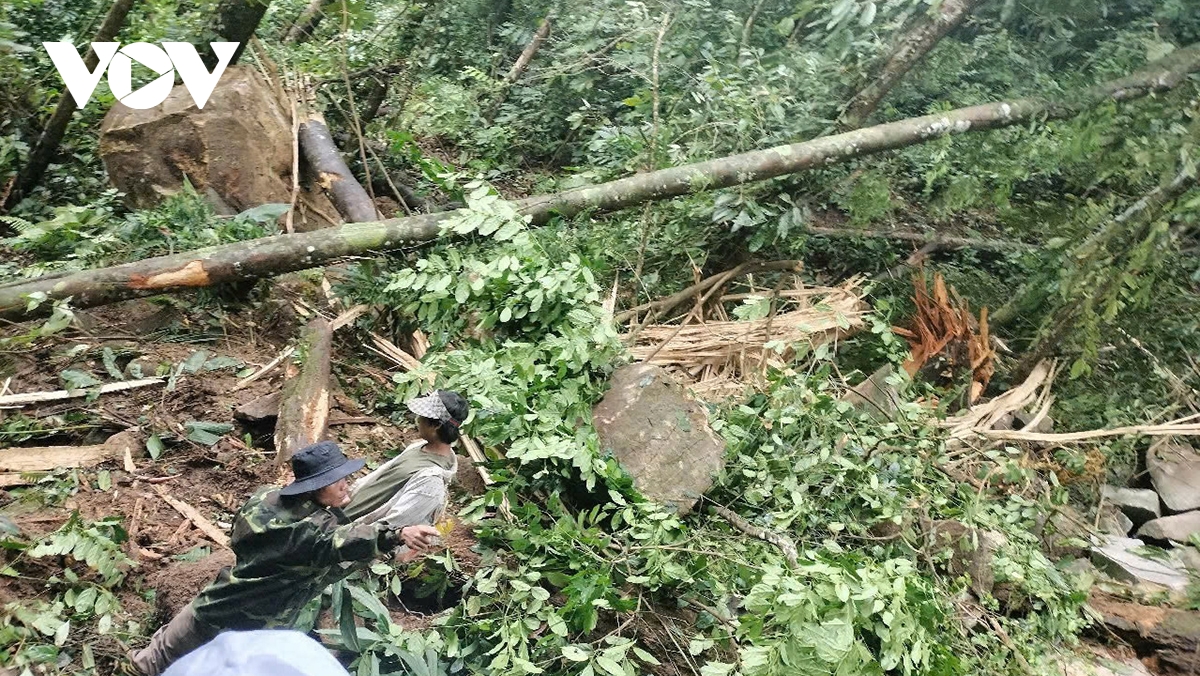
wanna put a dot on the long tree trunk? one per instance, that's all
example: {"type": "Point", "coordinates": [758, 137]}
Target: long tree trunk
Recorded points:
{"type": "Point", "coordinates": [909, 50]}
{"type": "Point", "coordinates": [47, 146]}
{"type": "Point", "coordinates": [285, 253]}
{"type": "Point", "coordinates": [304, 406]}
{"type": "Point", "coordinates": [307, 22]}
{"type": "Point", "coordinates": [235, 21]}
{"type": "Point", "coordinates": [322, 155]}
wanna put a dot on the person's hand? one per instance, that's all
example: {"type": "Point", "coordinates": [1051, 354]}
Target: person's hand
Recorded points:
{"type": "Point", "coordinates": [418, 538]}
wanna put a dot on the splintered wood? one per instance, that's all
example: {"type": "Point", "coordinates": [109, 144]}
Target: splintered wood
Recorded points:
{"type": "Point", "coordinates": [944, 327]}
{"type": "Point", "coordinates": [721, 357]}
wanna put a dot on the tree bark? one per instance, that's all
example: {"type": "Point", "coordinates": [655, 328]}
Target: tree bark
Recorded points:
{"type": "Point", "coordinates": [285, 253]}
{"type": "Point", "coordinates": [306, 23]}
{"type": "Point", "coordinates": [909, 50]}
{"type": "Point", "coordinates": [304, 406]}
{"type": "Point", "coordinates": [347, 194]}
{"type": "Point", "coordinates": [235, 21]}
{"type": "Point", "coordinates": [47, 145]}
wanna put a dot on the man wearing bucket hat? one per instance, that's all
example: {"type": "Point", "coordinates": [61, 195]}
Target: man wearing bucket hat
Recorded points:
{"type": "Point", "coordinates": [290, 543]}
{"type": "Point", "coordinates": [412, 487]}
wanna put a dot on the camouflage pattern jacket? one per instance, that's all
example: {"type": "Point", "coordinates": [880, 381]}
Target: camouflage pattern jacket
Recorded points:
{"type": "Point", "coordinates": [288, 550]}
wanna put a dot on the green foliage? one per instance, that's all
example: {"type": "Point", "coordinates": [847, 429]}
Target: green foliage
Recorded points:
{"type": "Point", "coordinates": [56, 633]}
{"type": "Point", "coordinates": [92, 235]}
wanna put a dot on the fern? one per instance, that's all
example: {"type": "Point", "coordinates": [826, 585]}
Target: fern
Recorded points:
{"type": "Point", "coordinates": [17, 223]}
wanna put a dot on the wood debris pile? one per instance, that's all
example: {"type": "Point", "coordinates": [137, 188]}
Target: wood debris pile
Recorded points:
{"type": "Point", "coordinates": [944, 328]}
{"type": "Point", "coordinates": [719, 357]}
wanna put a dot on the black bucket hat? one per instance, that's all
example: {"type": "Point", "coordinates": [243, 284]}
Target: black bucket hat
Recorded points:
{"type": "Point", "coordinates": [318, 466]}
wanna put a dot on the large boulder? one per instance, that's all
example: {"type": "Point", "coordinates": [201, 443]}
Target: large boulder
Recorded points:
{"type": "Point", "coordinates": [660, 436]}
{"type": "Point", "coordinates": [1121, 559]}
{"type": "Point", "coordinates": [1179, 527]}
{"type": "Point", "coordinates": [1175, 471]}
{"type": "Point", "coordinates": [236, 151]}
{"type": "Point", "coordinates": [1139, 504]}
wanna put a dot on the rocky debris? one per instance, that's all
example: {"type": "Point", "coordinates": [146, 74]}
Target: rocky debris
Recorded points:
{"type": "Point", "coordinates": [1175, 471]}
{"type": "Point", "coordinates": [236, 151]}
{"type": "Point", "coordinates": [1178, 528]}
{"type": "Point", "coordinates": [1139, 504]}
{"type": "Point", "coordinates": [660, 436]}
{"type": "Point", "coordinates": [1173, 634]}
{"type": "Point", "coordinates": [970, 552]}
{"type": "Point", "coordinates": [1066, 533]}
{"type": "Point", "coordinates": [1114, 522]}
{"type": "Point", "coordinates": [1099, 661]}
{"type": "Point", "coordinates": [1119, 558]}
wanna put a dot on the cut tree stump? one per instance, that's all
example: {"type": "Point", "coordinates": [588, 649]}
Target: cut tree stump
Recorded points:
{"type": "Point", "coordinates": [304, 405]}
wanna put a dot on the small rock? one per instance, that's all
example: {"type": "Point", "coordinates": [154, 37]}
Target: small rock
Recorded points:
{"type": "Point", "coordinates": [1175, 471]}
{"type": "Point", "coordinates": [971, 552]}
{"type": "Point", "coordinates": [1139, 504]}
{"type": "Point", "coordinates": [1081, 567]}
{"type": "Point", "coordinates": [1021, 419]}
{"type": "Point", "coordinates": [1107, 665]}
{"type": "Point", "coordinates": [1066, 533]}
{"type": "Point", "coordinates": [1114, 522]}
{"type": "Point", "coordinates": [876, 396]}
{"type": "Point", "coordinates": [1179, 527]}
{"type": "Point", "coordinates": [1117, 557]}
{"type": "Point", "coordinates": [259, 409]}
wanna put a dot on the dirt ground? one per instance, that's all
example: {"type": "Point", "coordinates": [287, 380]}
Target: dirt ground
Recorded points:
{"type": "Point", "coordinates": [215, 480]}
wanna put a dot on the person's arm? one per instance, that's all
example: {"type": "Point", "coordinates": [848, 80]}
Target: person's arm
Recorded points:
{"type": "Point", "coordinates": [352, 542]}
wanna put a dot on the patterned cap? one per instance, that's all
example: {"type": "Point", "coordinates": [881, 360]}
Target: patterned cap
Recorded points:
{"type": "Point", "coordinates": [431, 406]}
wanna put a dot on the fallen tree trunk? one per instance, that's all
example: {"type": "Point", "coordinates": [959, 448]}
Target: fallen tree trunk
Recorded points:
{"type": "Point", "coordinates": [346, 193]}
{"type": "Point", "coordinates": [285, 253]}
{"type": "Point", "coordinates": [304, 406]}
{"type": "Point", "coordinates": [909, 50]}
{"type": "Point", "coordinates": [52, 135]}
{"type": "Point", "coordinates": [25, 399]}
{"type": "Point", "coordinates": [1174, 635]}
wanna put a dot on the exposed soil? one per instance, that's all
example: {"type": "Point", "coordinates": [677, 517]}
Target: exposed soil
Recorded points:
{"type": "Point", "coordinates": [177, 583]}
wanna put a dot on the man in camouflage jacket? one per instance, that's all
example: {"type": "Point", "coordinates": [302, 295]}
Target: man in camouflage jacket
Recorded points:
{"type": "Point", "coordinates": [290, 543]}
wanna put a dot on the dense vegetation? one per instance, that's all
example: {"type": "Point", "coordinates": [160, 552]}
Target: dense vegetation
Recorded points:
{"type": "Point", "coordinates": [587, 577]}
